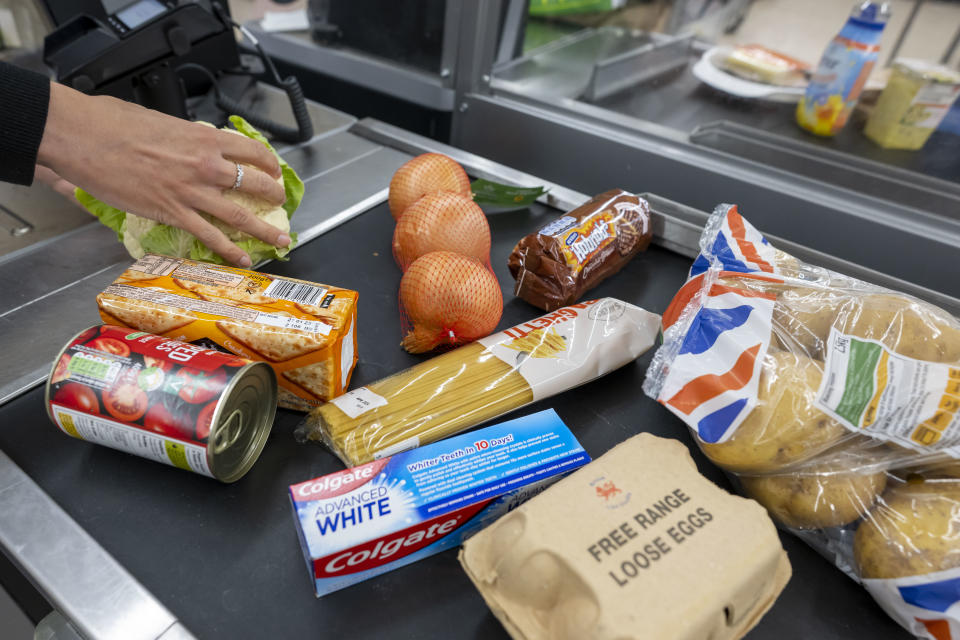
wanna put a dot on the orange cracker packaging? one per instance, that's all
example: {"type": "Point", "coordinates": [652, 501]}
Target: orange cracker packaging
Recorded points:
{"type": "Point", "coordinates": [305, 331]}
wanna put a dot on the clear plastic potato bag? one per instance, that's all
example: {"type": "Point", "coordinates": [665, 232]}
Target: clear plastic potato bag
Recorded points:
{"type": "Point", "coordinates": [834, 403]}
{"type": "Point", "coordinates": [463, 388]}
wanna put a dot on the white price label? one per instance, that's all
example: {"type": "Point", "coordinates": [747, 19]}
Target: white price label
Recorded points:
{"type": "Point", "coordinates": [289, 322]}
{"type": "Point", "coordinates": [357, 402]}
{"type": "Point", "coordinates": [133, 439]}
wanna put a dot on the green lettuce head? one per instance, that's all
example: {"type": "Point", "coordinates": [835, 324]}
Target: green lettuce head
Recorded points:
{"type": "Point", "coordinates": [142, 235]}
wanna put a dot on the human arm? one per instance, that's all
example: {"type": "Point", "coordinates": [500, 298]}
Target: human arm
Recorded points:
{"type": "Point", "coordinates": [24, 96]}
{"type": "Point", "coordinates": [135, 159]}
{"type": "Point", "coordinates": [159, 167]}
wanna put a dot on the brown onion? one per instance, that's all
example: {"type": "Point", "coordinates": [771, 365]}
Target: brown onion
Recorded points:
{"type": "Point", "coordinates": [441, 221]}
{"type": "Point", "coordinates": [422, 175]}
{"type": "Point", "coordinates": [449, 299]}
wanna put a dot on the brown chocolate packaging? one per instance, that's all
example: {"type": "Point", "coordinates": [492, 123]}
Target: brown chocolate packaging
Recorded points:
{"type": "Point", "coordinates": [555, 265]}
{"type": "Point", "coordinates": [637, 544]}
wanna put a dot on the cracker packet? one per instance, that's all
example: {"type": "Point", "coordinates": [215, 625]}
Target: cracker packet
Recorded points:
{"type": "Point", "coordinates": [657, 551]}
{"type": "Point", "coordinates": [305, 331]}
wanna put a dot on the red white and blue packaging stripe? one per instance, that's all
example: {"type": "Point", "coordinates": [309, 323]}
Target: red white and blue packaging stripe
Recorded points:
{"type": "Point", "coordinates": [716, 335]}
{"type": "Point", "coordinates": [712, 382]}
{"type": "Point", "coordinates": [928, 606]}
{"type": "Point", "coordinates": [376, 517]}
{"type": "Point", "coordinates": [732, 243]}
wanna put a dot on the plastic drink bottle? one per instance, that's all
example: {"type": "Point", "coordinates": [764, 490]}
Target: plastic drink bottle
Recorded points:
{"type": "Point", "coordinates": [843, 70]}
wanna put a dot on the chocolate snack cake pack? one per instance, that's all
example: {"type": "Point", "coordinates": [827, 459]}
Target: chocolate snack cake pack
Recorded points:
{"type": "Point", "coordinates": [557, 264]}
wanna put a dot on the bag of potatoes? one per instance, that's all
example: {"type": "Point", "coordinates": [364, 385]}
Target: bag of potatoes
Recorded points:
{"type": "Point", "coordinates": [835, 404]}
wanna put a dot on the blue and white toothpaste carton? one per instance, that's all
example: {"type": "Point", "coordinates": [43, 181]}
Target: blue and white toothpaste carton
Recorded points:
{"type": "Point", "coordinates": [364, 521]}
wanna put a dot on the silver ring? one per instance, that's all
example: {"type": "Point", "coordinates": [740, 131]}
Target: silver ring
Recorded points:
{"type": "Point", "coordinates": [239, 180]}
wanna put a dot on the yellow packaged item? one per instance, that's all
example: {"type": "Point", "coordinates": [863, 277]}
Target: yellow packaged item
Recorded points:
{"type": "Point", "coordinates": [915, 100]}
{"type": "Point", "coordinates": [482, 380]}
{"type": "Point", "coordinates": [305, 331]}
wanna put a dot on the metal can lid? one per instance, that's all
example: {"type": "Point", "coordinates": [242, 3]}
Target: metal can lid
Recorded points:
{"type": "Point", "coordinates": [242, 422]}
{"type": "Point", "coordinates": [929, 71]}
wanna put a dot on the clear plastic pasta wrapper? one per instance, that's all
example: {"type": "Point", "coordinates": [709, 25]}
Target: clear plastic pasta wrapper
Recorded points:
{"type": "Point", "coordinates": [463, 388]}
{"type": "Point", "coordinates": [832, 402]}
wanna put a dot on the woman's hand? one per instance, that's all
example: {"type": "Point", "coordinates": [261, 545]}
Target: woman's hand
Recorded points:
{"type": "Point", "coordinates": [159, 167]}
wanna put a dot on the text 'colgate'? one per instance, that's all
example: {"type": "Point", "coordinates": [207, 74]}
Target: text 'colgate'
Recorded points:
{"type": "Point", "coordinates": [367, 520]}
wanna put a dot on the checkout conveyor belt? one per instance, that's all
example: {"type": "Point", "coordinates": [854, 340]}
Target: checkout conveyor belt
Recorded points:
{"type": "Point", "coordinates": [224, 560]}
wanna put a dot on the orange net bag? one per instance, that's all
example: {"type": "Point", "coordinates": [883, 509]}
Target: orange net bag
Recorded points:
{"type": "Point", "coordinates": [422, 175]}
{"type": "Point", "coordinates": [441, 221]}
{"type": "Point", "coordinates": [446, 300]}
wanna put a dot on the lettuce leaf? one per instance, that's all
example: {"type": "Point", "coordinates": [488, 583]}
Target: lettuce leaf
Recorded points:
{"type": "Point", "coordinates": [168, 241]}
{"type": "Point", "coordinates": [258, 251]}
{"type": "Point", "coordinates": [110, 216]}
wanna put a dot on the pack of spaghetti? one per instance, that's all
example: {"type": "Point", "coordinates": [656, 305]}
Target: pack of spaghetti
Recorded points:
{"type": "Point", "coordinates": [482, 380]}
{"type": "Point", "coordinates": [836, 404]}
{"type": "Point", "coordinates": [303, 330]}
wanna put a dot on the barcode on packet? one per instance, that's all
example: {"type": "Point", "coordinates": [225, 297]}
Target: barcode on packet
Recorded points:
{"type": "Point", "coordinates": [294, 291]}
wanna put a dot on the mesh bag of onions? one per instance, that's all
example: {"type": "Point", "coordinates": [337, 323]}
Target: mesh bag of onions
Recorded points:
{"type": "Point", "coordinates": [448, 299]}
{"type": "Point", "coordinates": [449, 295]}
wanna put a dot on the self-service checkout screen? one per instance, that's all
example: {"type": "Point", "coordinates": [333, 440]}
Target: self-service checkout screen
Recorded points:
{"type": "Point", "coordinates": [134, 14]}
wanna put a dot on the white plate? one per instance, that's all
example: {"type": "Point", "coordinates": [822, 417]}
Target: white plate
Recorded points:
{"type": "Point", "coordinates": [709, 71]}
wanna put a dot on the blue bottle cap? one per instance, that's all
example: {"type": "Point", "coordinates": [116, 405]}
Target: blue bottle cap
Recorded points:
{"type": "Point", "coordinates": [871, 14]}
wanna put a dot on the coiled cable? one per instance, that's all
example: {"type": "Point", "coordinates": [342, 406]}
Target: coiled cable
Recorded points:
{"type": "Point", "coordinates": [290, 85]}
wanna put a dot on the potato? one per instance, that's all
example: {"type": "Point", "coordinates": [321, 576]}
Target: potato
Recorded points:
{"type": "Point", "coordinates": [948, 469]}
{"type": "Point", "coordinates": [906, 327]}
{"type": "Point", "coordinates": [913, 530]}
{"type": "Point", "coordinates": [816, 498]}
{"type": "Point", "coordinates": [803, 317]}
{"type": "Point", "coordinates": [787, 265]}
{"type": "Point", "coordinates": [785, 427]}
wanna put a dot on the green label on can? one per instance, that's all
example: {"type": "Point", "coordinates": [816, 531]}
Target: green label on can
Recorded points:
{"type": "Point", "coordinates": [89, 367]}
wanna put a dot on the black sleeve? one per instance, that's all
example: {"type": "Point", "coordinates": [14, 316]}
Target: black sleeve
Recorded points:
{"type": "Point", "coordinates": [24, 99]}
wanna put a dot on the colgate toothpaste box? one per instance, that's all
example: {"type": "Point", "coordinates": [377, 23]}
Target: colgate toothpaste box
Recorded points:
{"type": "Point", "coordinates": [364, 521]}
